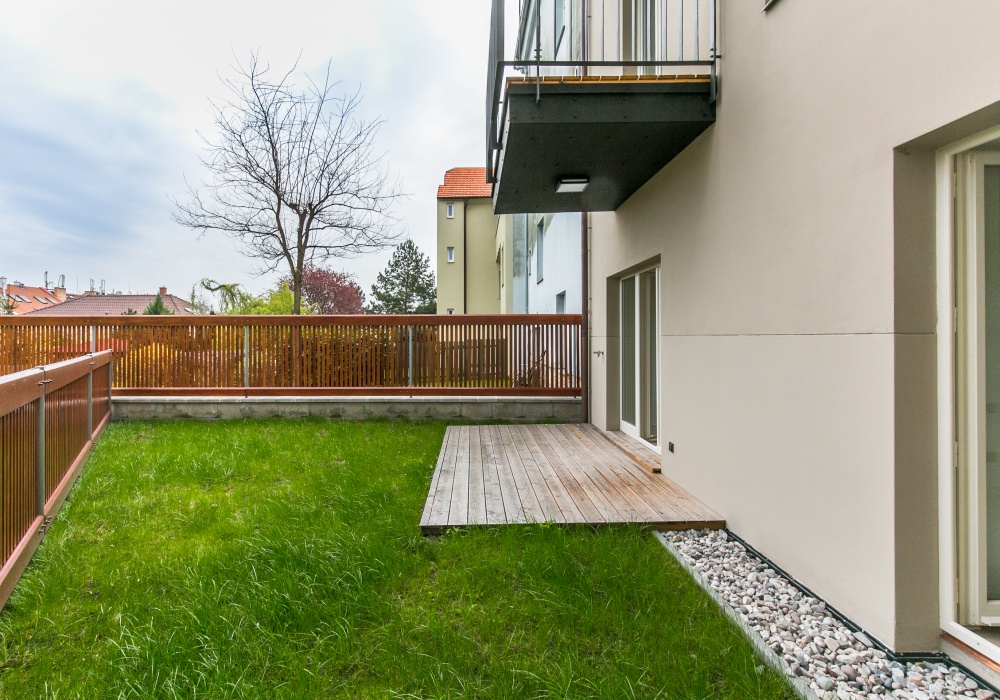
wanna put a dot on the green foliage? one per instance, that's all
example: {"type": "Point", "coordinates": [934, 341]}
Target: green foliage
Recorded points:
{"type": "Point", "coordinates": [279, 300]}
{"type": "Point", "coordinates": [283, 559]}
{"type": "Point", "coordinates": [157, 308]}
{"type": "Point", "coordinates": [130, 312]}
{"type": "Point", "coordinates": [199, 302]}
{"type": "Point", "coordinates": [233, 299]}
{"type": "Point", "coordinates": [406, 286]}
{"type": "Point", "coordinates": [7, 304]}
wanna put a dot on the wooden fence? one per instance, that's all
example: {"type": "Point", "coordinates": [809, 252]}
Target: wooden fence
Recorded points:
{"type": "Point", "coordinates": [318, 355]}
{"type": "Point", "coordinates": [49, 419]}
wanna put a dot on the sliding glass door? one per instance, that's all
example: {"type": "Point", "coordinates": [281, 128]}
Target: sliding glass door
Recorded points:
{"type": "Point", "coordinates": [640, 356]}
{"type": "Point", "coordinates": [979, 368]}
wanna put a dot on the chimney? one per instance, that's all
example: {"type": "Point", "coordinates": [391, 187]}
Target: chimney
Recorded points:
{"type": "Point", "coordinates": [90, 293]}
{"type": "Point", "coordinates": [59, 293]}
{"type": "Point", "coordinates": [163, 291]}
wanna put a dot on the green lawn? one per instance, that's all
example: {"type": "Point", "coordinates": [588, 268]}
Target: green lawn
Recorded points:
{"type": "Point", "coordinates": [283, 559]}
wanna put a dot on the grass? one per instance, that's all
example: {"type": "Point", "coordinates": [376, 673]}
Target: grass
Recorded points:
{"type": "Point", "coordinates": [283, 559]}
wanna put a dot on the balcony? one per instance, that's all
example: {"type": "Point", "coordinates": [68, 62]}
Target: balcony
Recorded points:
{"type": "Point", "coordinates": [581, 122]}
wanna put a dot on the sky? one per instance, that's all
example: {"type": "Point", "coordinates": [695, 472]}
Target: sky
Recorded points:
{"type": "Point", "coordinates": [104, 102]}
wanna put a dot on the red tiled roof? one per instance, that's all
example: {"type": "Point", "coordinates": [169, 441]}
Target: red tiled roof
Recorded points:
{"type": "Point", "coordinates": [460, 183]}
{"type": "Point", "coordinates": [114, 305]}
{"type": "Point", "coordinates": [26, 299]}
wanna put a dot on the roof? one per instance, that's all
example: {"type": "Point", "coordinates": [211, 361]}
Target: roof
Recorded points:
{"type": "Point", "coordinates": [114, 305]}
{"type": "Point", "coordinates": [27, 299]}
{"type": "Point", "coordinates": [460, 183]}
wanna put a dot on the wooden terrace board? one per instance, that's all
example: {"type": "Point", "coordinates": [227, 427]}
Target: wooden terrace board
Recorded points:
{"type": "Point", "coordinates": [510, 474]}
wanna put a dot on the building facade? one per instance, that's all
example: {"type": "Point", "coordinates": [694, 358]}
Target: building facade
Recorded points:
{"type": "Point", "coordinates": [793, 272]}
{"type": "Point", "coordinates": [468, 260]}
{"type": "Point", "coordinates": [489, 264]}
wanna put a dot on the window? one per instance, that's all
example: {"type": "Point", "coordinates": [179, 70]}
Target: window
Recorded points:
{"type": "Point", "coordinates": [42, 301]}
{"type": "Point", "coordinates": [560, 24]}
{"type": "Point", "coordinates": [451, 311]}
{"type": "Point", "coordinates": [451, 254]}
{"type": "Point", "coordinates": [561, 303]}
{"type": "Point", "coordinates": [449, 209]}
{"type": "Point", "coordinates": [539, 251]}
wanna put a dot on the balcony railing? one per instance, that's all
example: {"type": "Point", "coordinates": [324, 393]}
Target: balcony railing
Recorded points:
{"type": "Point", "coordinates": [312, 355]}
{"type": "Point", "coordinates": [605, 38]}
{"type": "Point", "coordinates": [50, 417]}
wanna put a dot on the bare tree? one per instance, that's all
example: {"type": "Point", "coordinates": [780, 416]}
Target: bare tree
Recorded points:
{"type": "Point", "coordinates": [294, 175]}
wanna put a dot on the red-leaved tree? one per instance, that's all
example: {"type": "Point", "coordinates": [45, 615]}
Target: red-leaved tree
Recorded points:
{"type": "Point", "coordinates": [332, 292]}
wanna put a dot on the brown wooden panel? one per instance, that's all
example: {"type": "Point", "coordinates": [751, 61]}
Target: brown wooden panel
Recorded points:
{"type": "Point", "coordinates": [456, 355]}
{"type": "Point", "coordinates": [346, 391]}
{"type": "Point", "coordinates": [563, 473]}
{"type": "Point", "coordinates": [19, 389]}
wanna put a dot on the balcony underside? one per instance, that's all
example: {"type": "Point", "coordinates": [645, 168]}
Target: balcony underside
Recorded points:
{"type": "Point", "coordinates": [615, 133]}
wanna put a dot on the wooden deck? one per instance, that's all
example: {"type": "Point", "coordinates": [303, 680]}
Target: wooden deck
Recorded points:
{"type": "Point", "coordinates": [508, 474]}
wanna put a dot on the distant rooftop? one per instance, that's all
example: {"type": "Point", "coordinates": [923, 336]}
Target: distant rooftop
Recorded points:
{"type": "Point", "coordinates": [460, 183]}
{"type": "Point", "coordinates": [114, 305]}
{"type": "Point", "coordinates": [27, 299]}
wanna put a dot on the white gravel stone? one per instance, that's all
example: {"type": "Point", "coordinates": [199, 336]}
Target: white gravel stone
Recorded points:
{"type": "Point", "coordinates": [834, 661]}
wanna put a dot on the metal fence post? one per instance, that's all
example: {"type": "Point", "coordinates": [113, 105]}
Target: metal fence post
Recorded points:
{"type": "Point", "coordinates": [40, 466]}
{"type": "Point", "coordinates": [409, 332]}
{"type": "Point", "coordinates": [246, 356]}
{"type": "Point", "coordinates": [93, 340]}
{"type": "Point", "coordinates": [90, 405]}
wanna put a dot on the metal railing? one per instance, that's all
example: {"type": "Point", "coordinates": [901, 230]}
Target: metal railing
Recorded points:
{"type": "Point", "coordinates": [615, 37]}
{"type": "Point", "coordinates": [50, 417]}
{"type": "Point", "coordinates": [475, 355]}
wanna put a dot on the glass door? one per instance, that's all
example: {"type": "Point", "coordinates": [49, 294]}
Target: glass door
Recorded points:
{"type": "Point", "coordinates": [640, 343]}
{"type": "Point", "coordinates": [980, 449]}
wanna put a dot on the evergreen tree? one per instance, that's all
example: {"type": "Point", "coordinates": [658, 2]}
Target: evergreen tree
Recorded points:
{"type": "Point", "coordinates": [406, 286]}
{"type": "Point", "coordinates": [157, 308]}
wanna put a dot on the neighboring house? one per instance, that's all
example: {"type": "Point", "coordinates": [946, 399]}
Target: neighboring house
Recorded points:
{"type": "Point", "coordinates": [468, 262]}
{"type": "Point", "coordinates": [792, 286]}
{"type": "Point", "coordinates": [27, 299]}
{"type": "Point", "coordinates": [91, 304]}
{"type": "Point", "coordinates": [489, 264]}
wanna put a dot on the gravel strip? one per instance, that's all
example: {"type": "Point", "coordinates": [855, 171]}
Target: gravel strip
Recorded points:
{"type": "Point", "coordinates": [817, 648]}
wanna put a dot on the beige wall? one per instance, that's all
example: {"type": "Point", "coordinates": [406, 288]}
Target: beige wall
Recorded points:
{"type": "Point", "coordinates": [473, 233]}
{"type": "Point", "coordinates": [796, 243]}
{"type": "Point", "coordinates": [504, 252]}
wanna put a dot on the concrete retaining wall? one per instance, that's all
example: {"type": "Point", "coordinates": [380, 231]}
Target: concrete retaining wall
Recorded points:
{"type": "Point", "coordinates": [560, 409]}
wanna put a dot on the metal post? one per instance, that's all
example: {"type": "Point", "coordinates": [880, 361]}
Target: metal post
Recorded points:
{"type": "Point", "coordinates": [40, 466]}
{"type": "Point", "coordinates": [93, 340]}
{"type": "Point", "coordinates": [90, 405]}
{"type": "Point", "coordinates": [246, 356]}
{"type": "Point", "coordinates": [711, 28]}
{"type": "Point", "coordinates": [635, 32]}
{"type": "Point", "coordinates": [409, 332]}
{"type": "Point", "coordinates": [714, 50]}
{"type": "Point", "coordinates": [697, 38]}
{"type": "Point", "coordinates": [619, 8]}
{"type": "Point", "coordinates": [604, 21]}
{"type": "Point", "coordinates": [680, 30]}
{"type": "Point", "coordinates": [538, 51]}
{"type": "Point", "coordinates": [665, 21]}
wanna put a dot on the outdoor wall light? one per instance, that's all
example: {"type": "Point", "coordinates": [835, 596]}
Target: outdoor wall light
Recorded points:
{"type": "Point", "coordinates": [572, 184]}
